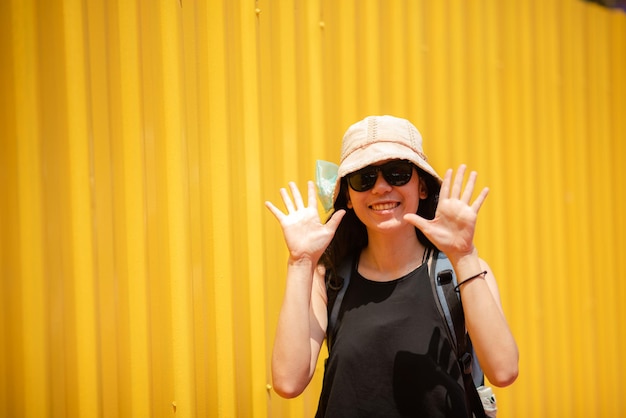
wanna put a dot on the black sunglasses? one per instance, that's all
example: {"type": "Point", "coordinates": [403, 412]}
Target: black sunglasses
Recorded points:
{"type": "Point", "coordinates": [396, 173]}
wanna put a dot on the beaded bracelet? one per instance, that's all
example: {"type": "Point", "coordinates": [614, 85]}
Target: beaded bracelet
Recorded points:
{"type": "Point", "coordinates": [457, 288]}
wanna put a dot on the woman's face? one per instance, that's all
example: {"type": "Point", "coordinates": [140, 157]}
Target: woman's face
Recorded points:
{"type": "Point", "coordinates": [383, 206]}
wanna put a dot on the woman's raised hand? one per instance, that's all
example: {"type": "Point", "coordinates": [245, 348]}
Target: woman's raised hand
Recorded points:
{"type": "Point", "coordinates": [452, 228]}
{"type": "Point", "coordinates": [305, 235]}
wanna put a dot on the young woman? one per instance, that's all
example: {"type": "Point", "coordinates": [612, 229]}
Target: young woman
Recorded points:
{"type": "Point", "coordinates": [389, 355]}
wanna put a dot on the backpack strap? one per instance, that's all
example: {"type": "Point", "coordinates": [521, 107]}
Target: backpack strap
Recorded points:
{"type": "Point", "coordinates": [439, 263]}
{"type": "Point", "coordinates": [344, 272]}
{"type": "Point", "coordinates": [443, 282]}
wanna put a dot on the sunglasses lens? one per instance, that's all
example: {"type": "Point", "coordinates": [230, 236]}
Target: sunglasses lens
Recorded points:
{"type": "Point", "coordinates": [396, 173]}
{"type": "Point", "coordinates": [363, 179]}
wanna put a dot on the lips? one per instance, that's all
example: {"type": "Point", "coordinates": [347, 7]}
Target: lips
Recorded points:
{"type": "Point", "coordinates": [385, 206]}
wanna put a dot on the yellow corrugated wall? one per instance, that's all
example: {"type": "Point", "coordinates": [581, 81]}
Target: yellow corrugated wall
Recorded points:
{"type": "Point", "coordinates": [141, 275]}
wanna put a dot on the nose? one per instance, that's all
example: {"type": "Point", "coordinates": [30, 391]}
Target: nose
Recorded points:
{"type": "Point", "coordinates": [381, 185]}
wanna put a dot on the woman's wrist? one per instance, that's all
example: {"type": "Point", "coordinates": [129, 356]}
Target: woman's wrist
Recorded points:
{"type": "Point", "coordinates": [465, 261]}
{"type": "Point", "coordinates": [303, 267]}
{"type": "Point", "coordinates": [480, 275]}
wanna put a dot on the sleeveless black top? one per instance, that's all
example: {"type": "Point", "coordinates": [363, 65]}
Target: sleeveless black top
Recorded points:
{"type": "Point", "coordinates": [391, 356]}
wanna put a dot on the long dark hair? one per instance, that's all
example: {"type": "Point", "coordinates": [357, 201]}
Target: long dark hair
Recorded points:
{"type": "Point", "coordinates": [351, 235]}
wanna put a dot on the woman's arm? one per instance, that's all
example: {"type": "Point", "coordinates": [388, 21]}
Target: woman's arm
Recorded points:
{"type": "Point", "coordinates": [301, 329]}
{"type": "Point", "coordinates": [485, 321]}
{"type": "Point", "coordinates": [452, 231]}
{"type": "Point", "coordinates": [303, 318]}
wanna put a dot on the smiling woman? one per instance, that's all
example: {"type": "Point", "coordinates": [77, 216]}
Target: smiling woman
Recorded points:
{"type": "Point", "coordinates": [138, 270]}
{"type": "Point", "coordinates": [388, 323]}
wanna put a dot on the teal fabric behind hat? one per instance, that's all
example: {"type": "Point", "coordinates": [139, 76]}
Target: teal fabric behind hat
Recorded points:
{"type": "Point", "coordinates": [326, 179]}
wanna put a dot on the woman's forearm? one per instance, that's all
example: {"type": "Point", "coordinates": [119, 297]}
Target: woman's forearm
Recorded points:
{"type": "Point", "coordinates": [299, 334]}
{"type": "Point", "coordinates": [491, 336]}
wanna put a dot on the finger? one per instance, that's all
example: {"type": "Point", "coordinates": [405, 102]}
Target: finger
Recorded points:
{"type": "Point", "coordinates": [297, 197]}
{"type": "Point", "coordinates": [287, 200]}
{"type": "Point", "coordinates": [335, 220]}
{"type": "Point", "coordinates": [469, 187]}
{"type": "Point", "coordinates": [445, 185]}
{"type": "Point", "coordinates": [480, 199]}
{"type": "Point", "coordinates": [275, 211]}
{"type": "Point", "coordinates": [312, 195]}
{"type": "Point", "coordinates": [416, 220]}
{"type": "Point", "coordinates": [457, 186]}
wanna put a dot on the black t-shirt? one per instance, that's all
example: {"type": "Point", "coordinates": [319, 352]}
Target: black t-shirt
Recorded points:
{"type": "Point", "coordinates": [391, 356]}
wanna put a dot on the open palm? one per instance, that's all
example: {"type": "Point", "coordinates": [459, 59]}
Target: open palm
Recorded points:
{"type": "Point", "coordinates": [452, 228]}
{"type": "Point", "coordinates": [305, 235]}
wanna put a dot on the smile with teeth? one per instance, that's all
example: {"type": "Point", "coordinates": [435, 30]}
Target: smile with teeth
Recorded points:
{"type": "Point", "coordinates": [385, 206]}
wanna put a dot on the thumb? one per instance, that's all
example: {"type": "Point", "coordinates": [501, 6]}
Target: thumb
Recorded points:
{"type": "Point", "coordinates": [335, 220]}
{"type": "Point", "coordinates": [416, 220]}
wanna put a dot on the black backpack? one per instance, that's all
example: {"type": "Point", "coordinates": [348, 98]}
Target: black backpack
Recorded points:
{"type": "Point", "coordinates": [448, 301]}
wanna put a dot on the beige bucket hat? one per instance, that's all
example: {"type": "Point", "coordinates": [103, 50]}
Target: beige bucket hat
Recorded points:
{"type": "Point", "coordinates": [371, 140]}
{"type": "Point", "coordinates": [380, 138]}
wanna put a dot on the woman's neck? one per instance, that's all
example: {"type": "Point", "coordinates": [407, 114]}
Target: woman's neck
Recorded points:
{"type": "Point", "coordinates": [391, 256]}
